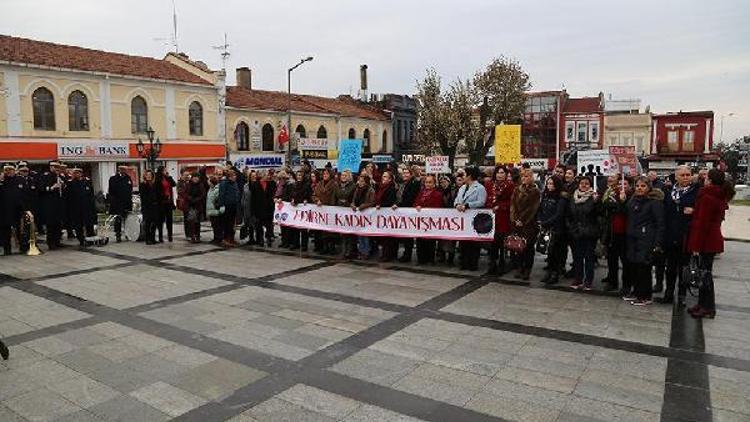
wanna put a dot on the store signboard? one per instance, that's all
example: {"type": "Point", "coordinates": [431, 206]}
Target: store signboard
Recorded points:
{"type": "Point", "coordinates": [257, 161]}
{"type": "Point", "coordinates": [92, 150]}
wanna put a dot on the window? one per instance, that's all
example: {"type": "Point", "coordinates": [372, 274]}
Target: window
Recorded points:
{"type": "Point", "coordinates": [582, 129]}
{"type": "Point", "coordinates": [673, 143]}
{"type": "Point", "coordinates": [195, 118]}
{"type": "Point", "coordinates": [242, 136]}
{"type": "Point", "coordinates": [301, 131]}
{"type": "Point", "coordinates": [411, 131]}
{"type": "Point", "coordinates": [688, 140]}
{"type": "Point", "coordinates": [352, 133]}
{"type": "Point", "coordinates": [399, 136]}
{"type": "Point", "coordinates": [384, 143]}
{"type": "Point", "coordinates": [366, 137]}
{"type": "Point", "coordinates": [594, 132]}
{"type": "Point", "coordinates": [322, 132]}
{"type": "Point", "coordinates": [268, 142]}
{"type": "Point", "coordinates": [138, 115]}
{"type": "Point", "coordinates": [78, 111]}
{"type": "Point", "coordinates": [43, 104]}
{"type": "Point", "coordinates": [570, 128]}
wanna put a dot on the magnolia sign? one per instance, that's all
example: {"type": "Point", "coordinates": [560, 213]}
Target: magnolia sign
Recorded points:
{"type": "Point", "coordinates": [85, 150]}
{"type": "Point", "coordinates": [428, 223]}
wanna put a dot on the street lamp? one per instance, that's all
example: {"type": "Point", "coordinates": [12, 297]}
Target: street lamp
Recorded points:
{"type": "Point", "coordinates": [721, 130]}
{"type": "Point", "coordinates": [151, 151]}
{"type": "Point", "coordinates": [289, 109]}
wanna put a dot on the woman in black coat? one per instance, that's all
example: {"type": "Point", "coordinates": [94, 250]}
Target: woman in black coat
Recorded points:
{"type": "Point", "coordinates": [147, 191]}
{"type": "Point", "coordinates": [165, 192]}
{"type": "Point", "coordinates": [551, 217]}
{"type": "Point", "coordinates": [262, 204]}
{"type": "Point", "coordinates": [645, 234]}
{"type": "Point", "coordinates": [386, 197]}
{"type": "Point", "coordinates": [583, 231]}
{"type": "Point", "coordinates": [301, 194]}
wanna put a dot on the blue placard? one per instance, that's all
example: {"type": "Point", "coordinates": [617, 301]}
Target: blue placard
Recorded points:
{"type": "Point", "coordinates": [350, 155]}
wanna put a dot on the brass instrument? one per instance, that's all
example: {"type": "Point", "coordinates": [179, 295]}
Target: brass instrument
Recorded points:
{"type": "Point", "coordinates": [28, 219]}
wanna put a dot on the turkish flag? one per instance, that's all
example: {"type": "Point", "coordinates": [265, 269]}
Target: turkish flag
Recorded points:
{"type": "Point", "coordinates": [283, 136]}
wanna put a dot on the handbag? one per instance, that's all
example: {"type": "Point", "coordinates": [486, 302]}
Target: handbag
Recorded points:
{"type": "Point", "coordinates": [192, 215]}
{"type": "Point", "coordinates": [515, 244]}
{"type": "Point", "coordinates": [244, 231]}
{"type": "Point", "coordinates": [544, 241]}
{"type": "Point", "coordinates": [694, 276]}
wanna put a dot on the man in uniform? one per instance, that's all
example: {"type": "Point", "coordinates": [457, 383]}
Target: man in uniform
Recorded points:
{"type": "Point", "coordinates": [120, 195]}
{"type": "Point", "coordinates": [13, 206]}
{"type": "Point", "coordinates": [30, 200]}
{"type": "Point", "coordinates": [51, 190]}
{"type": "Point", "coordinates": [80, 197]}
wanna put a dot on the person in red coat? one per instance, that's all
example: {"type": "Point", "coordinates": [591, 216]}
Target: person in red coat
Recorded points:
{"type": "Point", "coordinates": [705, 239]}
{"type": "Point", "coordinates": [428, 197]}
{"type": "Point", "coordinates": [499, 193]}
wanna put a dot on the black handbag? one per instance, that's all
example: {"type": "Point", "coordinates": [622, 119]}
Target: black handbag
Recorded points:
{"type": "Point", "coordinates": [694, 276]}
{"type": "Point", "coordinates": [544, 241]}
{"type": "Point", "coordinates": [244, 231]}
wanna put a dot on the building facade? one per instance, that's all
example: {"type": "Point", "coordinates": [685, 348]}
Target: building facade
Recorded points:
{"type": "Point", "coordinates": [403, 109]}
{"type": "Point", "coordinates": [89, 108]}
{"type": "Point", "coordinates": [582, 123]}
{"type": "Point", "coordinates": [684, 137]}
{"type": "Point", "coordinates": [540, 130]}
{"type": "Point", "coordinates": [626, 125]}
{"type": "Point", "coordinates": [255, 119]}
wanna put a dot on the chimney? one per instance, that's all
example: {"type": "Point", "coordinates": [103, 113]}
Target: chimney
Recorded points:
{"type": "Point", "coordinates": [244, 77]}
{"type": "Point", "coordinates": [363, 82]}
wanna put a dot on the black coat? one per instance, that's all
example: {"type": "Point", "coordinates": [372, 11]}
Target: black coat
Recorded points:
{"type": "Point", "coordinates": [262, 200]}
{"type": "Point", "coordinates": [301, 192]}
{"type": "Point", "coordinates": [676, 222]}
{"type": "Point", "coordinates": [80, 197]}
{"type": "Point", "coordinates": [551, 214]}
{"type": "Point", "coordinates": [410, 193]}
{"type": "Point", "coordinates": [120, 194]}
{"type": "Point", "coordinates": [52, 202]}
{"type": "Point", "coordinates": [645, 226]}
{"type": "Point", "coordinates": [386, 198]}
{"type": "Point", "coordinates": [12, 200]}
{"type": "Point", "coordinates": [165, 200]}
{"type": "Point", "coordinates": [149, 200]}
{"type": "Point", "coordinates": [582, 219]}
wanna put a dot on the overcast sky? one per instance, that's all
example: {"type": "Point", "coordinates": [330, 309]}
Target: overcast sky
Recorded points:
{"type": "Point", "coordinates": [675, 55]}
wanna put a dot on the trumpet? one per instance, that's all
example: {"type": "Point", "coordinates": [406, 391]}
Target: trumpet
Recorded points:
{"type": "Point", "coordinates": [28, 220]}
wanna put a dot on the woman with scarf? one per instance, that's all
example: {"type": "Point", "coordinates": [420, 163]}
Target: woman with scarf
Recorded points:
{"type": "Point", "coordinates": [196, 197]}
{"type": "Point", "coordinates": [213, 211]}
{"type": "Point", "coordinates": [147, 190]}
{"type": "Point", "coordinates": [363, 198]}
{"type": "Point", "coordinates": [164, 185]}
{"type": "Point", "coordinates": [342, 197]}
{"type": "Point", "coordinates": [301, 194]}
{"type": "Point", "coordinates": [523, 207]}
{"type": "Point", "coordinates": [705, 239]}
{"type": "Point", "coordinates": [499, 193]}
{"type": "Point", "coordinates": [551, 216]}
{"type": "Point", "coordinates": [614, 219]}
{"type": "Point", "coordinates": [645, 233]}
{"type": "Point", "coordinates": [448, 189]}
{"type": "Point", "coordinates": [325, 242]}
{"type": "Point", "coordinates": [386, 197]}
{"type": "Point", "coordinates": [428, 197]}
{"type": "Point", "coordinates": [471, 195]}
{"type": "Point", "coordinates": [583, 230]}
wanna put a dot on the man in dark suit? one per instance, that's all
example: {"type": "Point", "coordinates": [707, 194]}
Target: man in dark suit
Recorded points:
{"type": "Point", "coordinates": [52, 205]}
{"type": "Point", "coordinates": [120, 196]}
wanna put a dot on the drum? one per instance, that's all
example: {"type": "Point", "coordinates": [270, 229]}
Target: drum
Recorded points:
{"type": "Point", "coordinates": [132, 226]}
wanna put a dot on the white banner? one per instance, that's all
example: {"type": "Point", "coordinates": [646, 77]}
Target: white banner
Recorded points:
{"type": "Point", "coordinates": [437, 164]}
{"type": "Point", "coordinates": [429, 223]}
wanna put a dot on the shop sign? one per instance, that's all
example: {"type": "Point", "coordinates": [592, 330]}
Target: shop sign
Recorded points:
{"type": "Point", "coordinates": [537, 164]}
{"type": "Point", "coordinates": [317, 144]}
{"type": "Point", "coordinates": [87, 150]}
{"type": "Point", "coordinates": [257, 161]}
{"type": "Point", "coordinates": [381, 159]}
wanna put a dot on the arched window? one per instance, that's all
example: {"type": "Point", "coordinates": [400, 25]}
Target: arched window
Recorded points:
{"type": "Point", "coordinates": [322, 132]}
{"type": "Point", "coordinates": [78, 111]}
{"type": "Point", "coordinates": [384, 142]}
{"type": "Point", "coordinates": [301, 131]}
{"type": "Point", "coordinates": [138, 115]}
{"type": "Point", "coordinates": [242, 136]}
{"type": "Point", "coordinates": [43, 104]}
{"type": "Point", "coordinates": [366, 138]}
{"type": "Point", "coordinates": [268, 142]}
{"type": "Point", "coordinates": [352, 133]}
{"type": "Point", "coordinates": [195, 118]}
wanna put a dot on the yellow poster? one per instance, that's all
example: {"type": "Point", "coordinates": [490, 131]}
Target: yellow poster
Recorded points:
{"type": "Point", "coordinates": [507, 144]}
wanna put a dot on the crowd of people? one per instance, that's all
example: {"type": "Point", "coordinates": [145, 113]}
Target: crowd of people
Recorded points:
{"type": "Point", "coordinates": [646, 229]}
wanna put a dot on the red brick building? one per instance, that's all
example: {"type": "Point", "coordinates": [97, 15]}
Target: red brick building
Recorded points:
{"type": "Point", "coordinates": [582, 123]}
{"type": "Point", "coordinates": [685, 137]}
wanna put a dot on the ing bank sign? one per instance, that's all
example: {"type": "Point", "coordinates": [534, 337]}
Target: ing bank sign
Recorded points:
{"type": "Point", "coordinates": [90, 150]}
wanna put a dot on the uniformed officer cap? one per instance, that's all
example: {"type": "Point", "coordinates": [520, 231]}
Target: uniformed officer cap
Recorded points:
{"type": "Point", "coordinates": [123, 166]}
{"type": "Point", "coordinates": [54, 163]}
{"type": "Point", "coordinates": [22, 164]}
{"type": "Point", "coordinates": [22, 167]}
{"type": "Point", "coordinates": [76, 170]}
{"type": "Point", "coordinates": [63, 165]}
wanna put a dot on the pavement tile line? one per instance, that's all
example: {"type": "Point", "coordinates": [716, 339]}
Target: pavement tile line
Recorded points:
{"type": "Point", "coordinates": [285, 374]}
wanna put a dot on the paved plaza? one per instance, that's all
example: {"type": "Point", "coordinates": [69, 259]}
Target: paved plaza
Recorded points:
{"type": "Point", "coordinates": [196, 333]}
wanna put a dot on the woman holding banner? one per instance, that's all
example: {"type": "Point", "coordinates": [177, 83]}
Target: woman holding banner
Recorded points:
{"type": "Point", "coordinates": [386, 197]}
{"type": "Point", "coordinates": [323, 195]}
{"type": "Point", "coordinates": [499, 193]}
{"type": "Point", "coordinates": [470, 196]}
{"type": "Point", "coordinates": [362, 199]}
{"type": "Point", "coordinates": [301, 194]}
{"type": "Point", "coordinates": [429, 197]}
{"type": "Point", "coordinates": [447, 248]}
{"type": "Point", "coordinates": [342, 197]}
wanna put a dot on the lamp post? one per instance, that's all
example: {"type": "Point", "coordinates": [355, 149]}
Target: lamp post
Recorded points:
{"type": "Point", "coordinates": [151, 151]}
{"type": "Point", "coordinates": [289, 109]}
{"type": "Point", "coordinates": [721, 126]}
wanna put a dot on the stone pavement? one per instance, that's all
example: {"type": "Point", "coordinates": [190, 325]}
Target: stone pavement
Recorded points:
{"type": "Point", "coordinates": [737, 223]}
{"type": "Point", "coordinates": [196, 333]}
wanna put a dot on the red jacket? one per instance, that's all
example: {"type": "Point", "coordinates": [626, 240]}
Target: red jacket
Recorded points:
{"type": "Point", "coordinates": [500, 198]}
{"type": "Point", "coordinates": [705, 228]}
{"type": "Point", "coordinates": [429, 199]}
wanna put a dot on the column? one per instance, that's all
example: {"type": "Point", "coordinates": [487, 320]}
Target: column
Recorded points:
{"type": "Point", "coordinates": [13, 103]}
{"type": "Point", "coordinates": [171, 114]}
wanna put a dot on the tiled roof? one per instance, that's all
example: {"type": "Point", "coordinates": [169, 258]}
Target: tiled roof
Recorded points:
{"type": "Point", "coordinates": [279, 101]}
{"type": "Point", "coordinates": [583, 105]}
{"type": "Point", "coordinates": [26, 51]}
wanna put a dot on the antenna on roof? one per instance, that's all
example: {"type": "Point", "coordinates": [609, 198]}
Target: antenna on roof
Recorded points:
{"type": "Point", "coordinates": [225, 52]}
{"type": "Point", "coordinates": [174, 27]}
